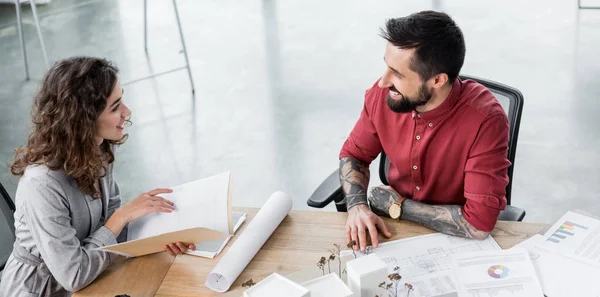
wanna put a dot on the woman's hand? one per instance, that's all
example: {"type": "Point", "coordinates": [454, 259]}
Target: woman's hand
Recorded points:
{"type": "Point", "coordinates": [142, 205]}
{"type": "Point", "coordinates": [146, 203]}
{"type": "Point", "coordinates": [178, 248]}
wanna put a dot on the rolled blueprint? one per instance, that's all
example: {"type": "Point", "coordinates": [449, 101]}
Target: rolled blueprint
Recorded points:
{"type": "Point", "coordinates": [250, 241]}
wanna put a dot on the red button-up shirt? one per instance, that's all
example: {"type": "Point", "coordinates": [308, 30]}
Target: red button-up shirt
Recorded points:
{"type": "Point", "coordinates": [455, 154]}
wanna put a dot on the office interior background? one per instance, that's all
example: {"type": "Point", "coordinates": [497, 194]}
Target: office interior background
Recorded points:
{"type": "Point", "coordinates": [279, 85]}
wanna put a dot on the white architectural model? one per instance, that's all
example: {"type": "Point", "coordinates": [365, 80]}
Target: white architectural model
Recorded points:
{"type": "Point", "coordinates": [365, 274]}
{"type": "Point", "coordinates": [276, 285]}
{"type": "Point", "coordinates": [329, 285]}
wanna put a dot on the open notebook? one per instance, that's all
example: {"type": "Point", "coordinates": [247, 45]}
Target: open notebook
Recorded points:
{"type": "Point", "coordinates": [202, 214]}
{"type": "Point", "coordinates": [211, 249]}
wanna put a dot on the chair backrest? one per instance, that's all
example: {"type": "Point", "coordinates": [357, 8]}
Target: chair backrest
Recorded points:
{"type": "Point", "coordinates": [7, 226]}
{"type": "Point", "coordinates": [511, 100]}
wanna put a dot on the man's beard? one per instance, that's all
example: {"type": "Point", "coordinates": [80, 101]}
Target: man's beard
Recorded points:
{"type": "Point", "coordinates": [408, 104]}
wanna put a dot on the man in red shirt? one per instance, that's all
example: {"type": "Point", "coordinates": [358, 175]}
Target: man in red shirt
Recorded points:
{"type": "Point", "coordinates": [446, 139]}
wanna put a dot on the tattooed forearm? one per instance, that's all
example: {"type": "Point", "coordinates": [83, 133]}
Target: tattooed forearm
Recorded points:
{"type": "Point", "coordinates": [447, 219]}
{"type": "Point", "coordinates": [354, 177]}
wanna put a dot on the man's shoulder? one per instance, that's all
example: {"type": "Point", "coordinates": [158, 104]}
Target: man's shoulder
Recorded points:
{"type": "Point", "coordinates": [479, 101]}
{"type": "Point", "coordinates": [375, 95]}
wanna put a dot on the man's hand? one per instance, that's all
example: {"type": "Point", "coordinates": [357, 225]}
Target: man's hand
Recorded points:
{"type": "Point", "coordinates": [381, 198]}
{"type": "Point", "coordinates": [360, 219]}
{"type": "Point", "coordinates": [354, 177]}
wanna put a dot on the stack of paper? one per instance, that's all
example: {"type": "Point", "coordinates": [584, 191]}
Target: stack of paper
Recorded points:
{"type": "Point", "coordinates": [560, 275]}
{"type": "Point", "coordinates": [566, 257]}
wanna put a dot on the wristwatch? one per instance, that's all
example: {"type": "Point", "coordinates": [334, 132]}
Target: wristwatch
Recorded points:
{"type": "Point", "coordinates": [395, 210]}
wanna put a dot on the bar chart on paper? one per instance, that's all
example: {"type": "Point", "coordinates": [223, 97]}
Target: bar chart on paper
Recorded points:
{"type": "Point", "coordinates": [575, 235]}
{"type": "Point", "coordinates": [565, 230]}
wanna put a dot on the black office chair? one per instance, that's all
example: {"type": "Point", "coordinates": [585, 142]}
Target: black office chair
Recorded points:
{"type": "Point", "coordinates": [7, 227]}
{"type": "Point", "coordinates": [511, 100]}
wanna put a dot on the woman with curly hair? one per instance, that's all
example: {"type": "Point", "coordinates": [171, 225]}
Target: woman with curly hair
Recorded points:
{"type": "Point", "coordinates": [68, 202]}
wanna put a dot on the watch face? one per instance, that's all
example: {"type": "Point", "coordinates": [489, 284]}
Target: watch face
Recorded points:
{"type": "Point", "coordinates": [394, 211]}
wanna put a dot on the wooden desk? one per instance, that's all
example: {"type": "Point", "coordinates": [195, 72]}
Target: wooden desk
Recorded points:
{"type": "Point", "coordinates": [301, 239]}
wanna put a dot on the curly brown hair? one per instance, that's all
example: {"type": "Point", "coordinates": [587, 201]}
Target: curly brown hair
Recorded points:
{"type": "Point", "coordinates": [72, 96]}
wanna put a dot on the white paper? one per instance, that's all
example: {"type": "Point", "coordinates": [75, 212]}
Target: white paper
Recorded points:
{"type": "Point", "coordinates": [496, 274]}
{"type": "Point", "coordinates": [561, 276]}
{"type": "Point", "coordinates": [576, 236]}
{"type": "Point", "coordinates": [211, 249]}
{"type": "Point", "coordinates": [250, 241]}
{"type": "Point", "coordinates": [426, 261]}
{"type": "Point", "coordinates": [201, 203]}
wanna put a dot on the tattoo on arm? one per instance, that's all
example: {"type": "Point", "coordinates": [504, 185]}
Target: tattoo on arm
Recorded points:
{"type": "Point", "coordinates": [447, 219]}
{"type": "Point", "coordinates": [380, 200]}
{"type": "Point", "coordinates": [354, 177]}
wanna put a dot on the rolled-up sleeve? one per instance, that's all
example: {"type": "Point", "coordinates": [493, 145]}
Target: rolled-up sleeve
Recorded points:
{"type": "Point", "coordinates": [363, 142]}
{"type": "Point", "coordinates": [486, 174]}
{"type": "Point", "coordinates": [73, 264]}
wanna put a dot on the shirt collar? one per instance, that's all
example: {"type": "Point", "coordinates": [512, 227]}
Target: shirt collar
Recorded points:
{"type": "Point", "coordinates": [435, 116]}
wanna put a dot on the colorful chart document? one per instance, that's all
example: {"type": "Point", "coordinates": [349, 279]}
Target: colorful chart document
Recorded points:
{"type": "Point", "coordinates": [496, 274]}
{"type": "Point", "coordinates": [575, 235]}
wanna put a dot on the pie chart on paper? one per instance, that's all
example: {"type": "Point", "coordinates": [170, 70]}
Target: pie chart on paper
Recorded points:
{"type": "Point", "coordinates": [498, 271]}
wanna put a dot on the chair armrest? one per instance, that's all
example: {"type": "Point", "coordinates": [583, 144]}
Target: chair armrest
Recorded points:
{"type": "Point", "coordinates": [328, 191]}
{"type": "Point", "coordinates": [512, 213]}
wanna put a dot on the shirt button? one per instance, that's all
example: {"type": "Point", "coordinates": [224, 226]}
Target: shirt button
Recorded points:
{"type": "Point", "coordinates": [418, 188]}
{"type": "Point", "coordinates": [418, 137]}
{"type": "Point", "coordinates": [415, 167]}
{"type": "Point", "coordinates": [431, 125]}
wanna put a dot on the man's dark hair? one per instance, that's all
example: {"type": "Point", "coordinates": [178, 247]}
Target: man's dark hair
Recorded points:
{"type": "Point", "coordinates": [438, 42]}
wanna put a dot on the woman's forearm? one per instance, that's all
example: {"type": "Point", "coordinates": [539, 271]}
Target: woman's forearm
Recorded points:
{"type": "Point", "coordinates": [116, 222]}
